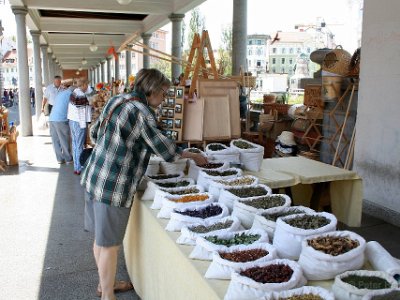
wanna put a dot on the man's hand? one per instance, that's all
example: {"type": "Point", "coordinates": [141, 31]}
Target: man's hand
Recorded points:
{"type": "Point", "coordinates": [197, 157]}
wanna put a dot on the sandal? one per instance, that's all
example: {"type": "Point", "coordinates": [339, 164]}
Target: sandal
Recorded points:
{"type": "Point", "coordinates": [119, 287]}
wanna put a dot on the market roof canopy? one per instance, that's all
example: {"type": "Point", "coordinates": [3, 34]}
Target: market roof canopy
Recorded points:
{"type": "Point", "coordinates": [69, 27]}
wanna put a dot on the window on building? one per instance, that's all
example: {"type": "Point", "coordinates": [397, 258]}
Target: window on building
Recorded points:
{"type": "Point", "coordinates": [273, 60]}
{"type": "Point", "coordinates": [308, 50]}
{"type": "Point", "coordinates": [250, 42]}
{"type": "Point", "coordinates": [283, 50]}
{"type": "Point", "coordinates": [290, 70]}
{"type": "Point", "coordinates": [258, 42]}
{"type": "Point", "coordinates": [273, 70]}
{"type": "Point", "coordinates": [249, 63]}
{"type": "Point", "coordinates": [258, 63]}
{"type": "Point", "coordinates": [250, 52]}
{"type": "Point", "coordinates": [291, 50]}
{"type": "Point", "coordinates": [273, 50]}
{"type": "Point", "coordinates": [298, 50]}
{"type": "Point", "coordinates": [259, 52]}
{"type": "Point", "coordinates": [290, 61]}
{"type": "Point", "coordinates": [283, 70]}
{"type": "Point", "coordinates": [283, 60]}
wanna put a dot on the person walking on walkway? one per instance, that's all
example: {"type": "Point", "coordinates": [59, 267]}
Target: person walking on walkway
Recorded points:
{"type": "Point", "coordinates": [59, 128]}
{"type": "Point", "coordinates": [79, 115]}
{"type": "Point", "coordinates": [50, 94]}
{"type": "Point", "coordinates": [124, 135]}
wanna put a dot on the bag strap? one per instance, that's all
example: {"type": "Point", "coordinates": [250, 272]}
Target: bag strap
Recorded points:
{"type": "Point", "coordinates": [106, 119]}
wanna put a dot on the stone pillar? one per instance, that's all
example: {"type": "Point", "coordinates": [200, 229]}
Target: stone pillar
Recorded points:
{"type": "Point", "coordinates": [51, 68]}
{"type": "Point", "coordinates": [146, 59]}
{"type": "Point", "coordinates": [103, 75]}
{"type": "Point", "coordinates": [98, 73]}
{"type": "Point", "coordinates": [55, 66]}
{"type": "Point", "coordinates": [128, 64]}
{"type": "Point", "coordinates": [239, 36]}
{"type": "Point", "coordinates": [176, 49]}
{"type": "Point", "coordinates": [23, 72]}
{"type": "Point", "coordinates": [45, 65]}
{"type": "Point", "coordinates": [38, 72]}
{"type": "Point", "coordinates": [109, 75]}
{"type": "Point", "coordinates": [116, 67]}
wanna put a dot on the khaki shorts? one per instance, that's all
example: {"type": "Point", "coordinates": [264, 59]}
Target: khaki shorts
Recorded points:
{"type": "Point", "coordinates": [107, 222]}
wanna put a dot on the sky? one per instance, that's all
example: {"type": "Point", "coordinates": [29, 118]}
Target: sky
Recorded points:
{"type": "Point", "coordinates": [263, 17]}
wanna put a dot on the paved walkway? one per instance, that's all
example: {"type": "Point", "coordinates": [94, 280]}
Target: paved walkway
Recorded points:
{"type": "Point", "coordinates": [44, 251]}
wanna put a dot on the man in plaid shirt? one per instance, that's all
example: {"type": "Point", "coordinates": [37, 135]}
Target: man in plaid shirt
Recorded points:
{"type": "Point", "coordinates": [125, 135]}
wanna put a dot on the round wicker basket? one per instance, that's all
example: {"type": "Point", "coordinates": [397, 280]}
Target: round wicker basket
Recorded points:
{"type": "Point", "coordinates": [337, 61]}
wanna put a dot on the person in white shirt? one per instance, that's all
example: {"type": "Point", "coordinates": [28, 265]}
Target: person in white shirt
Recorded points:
{"type": "Point", "coordinates": [50, 94]}
{"type": "Point", "coordinates": [79, 115]}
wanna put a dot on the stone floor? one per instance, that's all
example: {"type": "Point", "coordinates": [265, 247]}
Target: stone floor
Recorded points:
{"type": "Point", "coordinates": [44, 252]}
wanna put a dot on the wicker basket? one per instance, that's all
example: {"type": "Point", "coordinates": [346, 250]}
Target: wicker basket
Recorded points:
{"type": "Point", "coordinates": [279, 107]}
{"type": "Point", "coordinates": [337, 61]}
{"type": "Point", "coordinates": [269, 98]}
{"type": "Point", "coordinates": [354, 67]}
{"type": "Point", "coordinates": [249, 81]}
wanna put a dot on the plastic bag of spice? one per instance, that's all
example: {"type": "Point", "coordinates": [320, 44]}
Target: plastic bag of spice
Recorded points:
{"type": "Point", "coordinates": [151, 181]}
{"type": "Point", "coordinates": [232, 194]}
{"type": "Point", "coordinates": [212, 165]}
{"type": "Point", "coordinates": [216, 186]}
{"type": "Point", "coordinates": [354, 285]}
{"type": "Point", "coordinates": [220, 152]}
{"type": "Point", "coordinates": [178, 165]}
{"type": "Point", "coordinates": [251, 155]}
{"type": "Point", "coordinates": [206, 176]}
{"type": "Point", "coordinates": [222, 241]}
{"type": "Point", "coordinates": [238, 257]}
{"type": "Point", "coordinates": [167, 192]}
{"type": "Point", "coordinates": [326, 255]}
{"type": "Point", "coordinates": [292, 230]}
{"type": "Point", "coordinates": [180, 202]}
{"type": "Point", "coordinates": [245, 210]}
{"type": "Point", "coordinates": [267, 220]}
{"type": "Point", "coordinates": [262, 279]}
{"type": "Point", "coordinates": [191, 232]}
{"type": "Point", "coordinates": [314, 293]}
{"type": "Point", "coordinates": [196, 214]}
{"type": "Point", "coordinates": [389, 294]}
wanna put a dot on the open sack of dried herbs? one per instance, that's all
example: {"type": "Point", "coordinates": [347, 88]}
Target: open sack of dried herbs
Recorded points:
{"type": "Point", "coordinates": [238, 257]}
{"type": "Point", "coordinates": [169, 203]}
{"type": "Point", "coordinates": [354, 285]}
{"type": "Point", "coordinates": [206, 176]}
{"type": "Point", "coordinates": [220, 152]}
{"type": "Point", "coordinates": [251, 155]}
{"type": "Point", "coordinates": [292, 230]}
{"type": "Point", "coordinates": [246, 209]}
{"type": "Point", "coordinates": [212, 165]}
{"type": "Point", "coordinates": [230, 195]}
{"type": "Point", "coordinates": [222, 241]}
{"type": "Point", "coordinates": [326, 255]}
{"type": "Point", "coordinates": [305, 293]}
{"type": "Point", "coordinates": [195, 150]}
{"type": "Point", "coordinates": [389, 294]}
{"type": "Point", "coordinates": [267, 220]}
{"type": "Point", "coordinates": [262, 279]}
{"type": "Point", "coordinates": [153, 168]}
{"type": "Point", "coordinates": [216, 186]}
{"type": "Point", "coordinates": [191, 232]}
{"type": "Point", "coordinates": [151, 181]}
{"type": "Point", "coordinates": [163, 192]}
{"type": "Point", "coordinates": [196, 214]}
{"type": "Point", "coordinates": [179, 165]}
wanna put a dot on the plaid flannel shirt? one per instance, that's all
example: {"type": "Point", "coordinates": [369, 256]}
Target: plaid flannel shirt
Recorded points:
{"type": "Point", "coordinates": [123, 145]}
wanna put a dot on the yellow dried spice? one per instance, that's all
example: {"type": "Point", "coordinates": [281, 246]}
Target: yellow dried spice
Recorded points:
{"type": "Point", "coordinates": [191, 198]}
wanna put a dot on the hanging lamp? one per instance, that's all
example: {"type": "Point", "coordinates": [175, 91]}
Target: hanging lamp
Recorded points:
{"type": "Point", "coordinates": [84, 61]}
{"type": "Point", "coordinates": [93, 47]}
{"type": "Point", "coordinates": [124, 2]}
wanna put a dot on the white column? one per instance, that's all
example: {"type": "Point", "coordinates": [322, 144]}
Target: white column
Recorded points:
{"type": "Point", "coordinates": [51, 68]}
{"type": "Point", "coordinates": [109, 75]}
{"type": "Point", "coordinates": [239, 36]}
{"type": "Point", "coordinates": [146, 59]}
{"type": "Point", "coordinates": [23, 72]}
{"type": "Point", "coordinates": [45, 64]}
{"type": "Point", "coordinates": [116, 67]}
{"type": "Point", "coordinates": [98, 73]}
{"type": "Point", "coordinates": [128, 64]}
{"type": "Point", "coordinates": [38, 71]}
{"type": "Point", "coordinates": [103, 75]}
{"type": "Point", "coordinates": [54, 64]}
{"type": "Point", "coordinates": [176, 46]}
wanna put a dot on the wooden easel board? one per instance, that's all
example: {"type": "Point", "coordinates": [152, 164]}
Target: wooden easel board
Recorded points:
{"type": "Point", "coordinates": [223, 87]}
{"type": "Point", "coordinates": [193, 120]}
{"type": "Point", "coordinates": [216, 118]}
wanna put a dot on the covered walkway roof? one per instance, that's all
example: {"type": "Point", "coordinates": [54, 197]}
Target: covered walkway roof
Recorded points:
{"type": "Point", "coordinates": [68, 27]}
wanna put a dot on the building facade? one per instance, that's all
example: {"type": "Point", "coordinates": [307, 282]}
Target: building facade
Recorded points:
{"type": "Point", "coordinates": [10, 71]}
{"type": "Point", "coordinates": [257, 53]}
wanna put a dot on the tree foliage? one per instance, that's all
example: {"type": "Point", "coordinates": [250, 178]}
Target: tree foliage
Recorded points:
{"type": "Point", "coordinates": [163, 66]}
{"type": "Point", "coordinates": [224, 60]}
{"type": "Point", "coordinates": [197, 24]}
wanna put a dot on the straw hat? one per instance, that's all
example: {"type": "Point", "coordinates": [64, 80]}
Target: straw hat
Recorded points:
{"type": "Point", "coordinates": [287, 138]}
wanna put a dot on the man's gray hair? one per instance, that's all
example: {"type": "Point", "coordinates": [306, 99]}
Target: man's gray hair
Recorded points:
{"type": "Point", "coordinates": [150, 81]}
{"type": "Point", "coordinates": [82, 81]}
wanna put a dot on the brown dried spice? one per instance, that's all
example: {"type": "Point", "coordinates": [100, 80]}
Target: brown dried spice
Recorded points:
{"type": "Point", "coordinates": [333, 245]}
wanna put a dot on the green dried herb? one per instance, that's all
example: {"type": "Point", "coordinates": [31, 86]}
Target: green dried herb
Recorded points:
{"type": "Point", "coordinates": [163, 176]}
{"type": "Point", "coordinates": [367, 282]}
{"type": "Point", "coordinates": [221, 173]}
{"type": "Point", "coordinates": [187, 191]}
{"type": "Point", "coordinates": [266, 202]}
{"type": "Point", "coordinates": [214, 227]}
{"type": "Point", "coordinates": [243, 145]}
{"type": "Point", "coordinates": [308, 222]}
{"type": "Point", "coordinates": [393, 295]}
{"type": "Point", "coordinates": [275, 216]}
{"type": "Point", "coordinates": [303, 297]}
{"type": "Point", "coordinates": [216, 147]}
{"type": "Point", "coordinates": [238, 181]}
{"type": "Point", "coordinates": [237, 239]}
{"type": "Point", "coordinates": [173, 184]}
{"type": "Point", "coordinates": [194, 150]}
{"type": "Point", "coordinates": [252, 191]}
